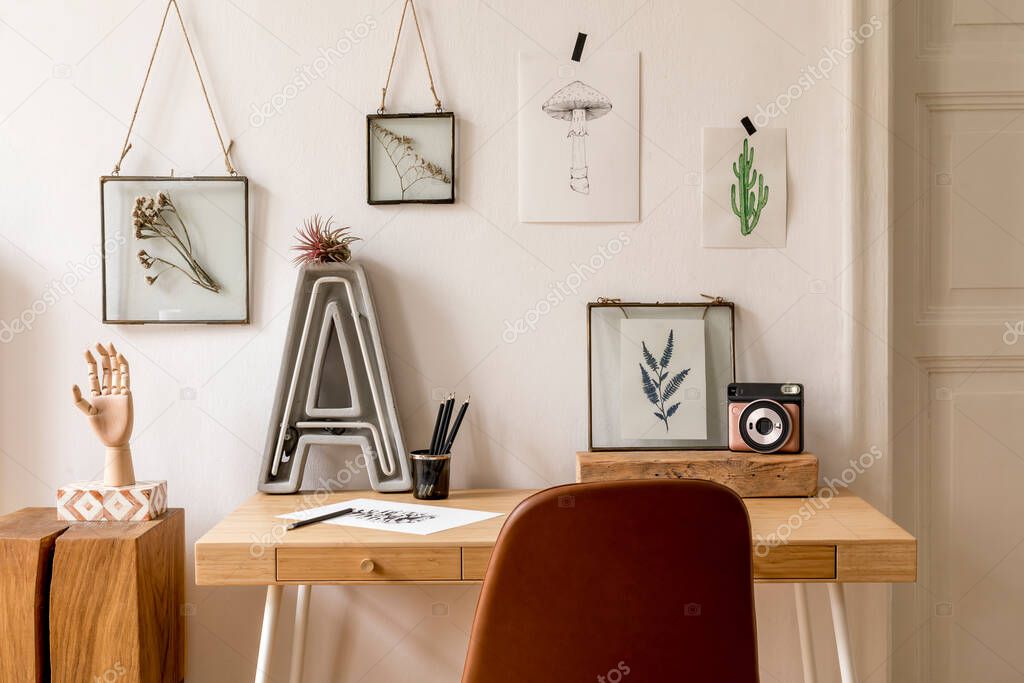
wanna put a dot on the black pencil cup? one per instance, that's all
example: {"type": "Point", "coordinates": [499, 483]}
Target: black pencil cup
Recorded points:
{"type": "Point", "coordinates": [430, 475]}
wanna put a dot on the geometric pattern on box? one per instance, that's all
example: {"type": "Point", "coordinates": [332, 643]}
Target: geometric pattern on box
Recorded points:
{"type": "Point", "coordinates": [92, 501]}
{"type": "Point", "coordinates": [333, 389]}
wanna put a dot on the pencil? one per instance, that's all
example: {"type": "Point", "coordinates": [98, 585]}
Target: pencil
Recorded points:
{"type": "Point", "coordinates": [321, 518]}
{"type": "Point", "coordinates": [455, 428]}
{"type": "Point", "coordinates": [437, 427]}
{"type": "Point", "coordinates": [446, 419]}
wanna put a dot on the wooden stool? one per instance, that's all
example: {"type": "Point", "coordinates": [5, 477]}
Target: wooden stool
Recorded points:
{"type": "Point", "coordinates": [27, 538]}
{"type": "Point", "coordinates": [114, 593]}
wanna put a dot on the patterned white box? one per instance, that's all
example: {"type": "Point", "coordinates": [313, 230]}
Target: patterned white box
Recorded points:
{"type": "Point", "coordinates": [92, 501]}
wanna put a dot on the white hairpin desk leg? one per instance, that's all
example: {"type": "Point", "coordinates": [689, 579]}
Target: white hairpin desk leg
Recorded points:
{"type": "Point", "coordinates": [843, 648]}
{"type": "Point", "coordinates": [270, 610]}
{"type": "Point", "coordinates": [803, 623]}
{"type": "Point", "coordinates": [299, 636]}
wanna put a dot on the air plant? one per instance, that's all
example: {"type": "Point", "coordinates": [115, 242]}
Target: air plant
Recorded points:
{"type": "Point", "coordinates": [659, 393]}
{"type": "Point", "coordinates": [158, 218]}
{"type": "Point", "coordinates": [410, 167]}
{"type": "Point", "coordinates": [749, 207]}
{"type": "Point", "coordinates": [319, 242]}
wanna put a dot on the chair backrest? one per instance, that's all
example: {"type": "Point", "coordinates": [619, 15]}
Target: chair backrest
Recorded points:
{"type": "Point", "coordinates": [616, 581]}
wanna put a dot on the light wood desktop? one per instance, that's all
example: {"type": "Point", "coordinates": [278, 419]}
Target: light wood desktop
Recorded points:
{"type": "Point", "coordinates": [841, 539]}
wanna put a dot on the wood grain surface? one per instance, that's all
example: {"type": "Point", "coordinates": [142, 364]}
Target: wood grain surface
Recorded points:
{"type": "Point", "coordinates": [751, 475]}
{"type": "Point", "coordinates": [27, 539]}
{"type": "Point", "coordinates": [117, 602]}
{"type": "Point", "coordinates": [833, 537]}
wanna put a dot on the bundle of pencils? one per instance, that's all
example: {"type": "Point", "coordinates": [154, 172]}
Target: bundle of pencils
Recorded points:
{"type": "Point", "coordinates": [442, 440]}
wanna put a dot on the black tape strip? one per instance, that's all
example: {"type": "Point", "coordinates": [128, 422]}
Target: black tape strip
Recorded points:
{"type": "Point", "coordinates": [577, 51]}
{"type": "Point", "coordinates": [748, 125]}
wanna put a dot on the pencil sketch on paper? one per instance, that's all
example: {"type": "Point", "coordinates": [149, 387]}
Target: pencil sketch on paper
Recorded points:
{"type": "Point", "coordinates": [661, 391]}
{"type": "Point", "coordinates": [409, 166]}
{"type": "Point", "coordinates": [392, 516]}
{"type": "Point", "coordinates": [407, 518]}
{"type": "Point", "coordinates": [577, 103]}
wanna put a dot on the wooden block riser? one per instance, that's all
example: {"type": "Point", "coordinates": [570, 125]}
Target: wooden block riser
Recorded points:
{"type": "Point", "coordinates": [751, 475]}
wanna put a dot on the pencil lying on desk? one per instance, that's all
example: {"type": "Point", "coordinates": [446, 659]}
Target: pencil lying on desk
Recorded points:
{"type": "Point", "coordinates": [320, 518]}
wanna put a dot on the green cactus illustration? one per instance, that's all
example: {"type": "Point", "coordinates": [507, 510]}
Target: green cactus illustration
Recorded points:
{"type": "Point", "coordinates": [749, 208]}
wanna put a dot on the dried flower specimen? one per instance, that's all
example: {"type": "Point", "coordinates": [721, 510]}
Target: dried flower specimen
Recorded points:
{"type": "Point", "coordinates": [319, 242]}
{"type": "Point", "coordinates": [410, 167]}
{"type": "Point", "coordinates": [157, 218]}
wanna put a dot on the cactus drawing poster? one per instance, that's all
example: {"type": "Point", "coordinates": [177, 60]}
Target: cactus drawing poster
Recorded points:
{"type": "Point", "coordinates": [579, 141]}
{"type": "Point", "coordinates": [663, 379]}
{"type": "Point", "coordinates": [744, 195]}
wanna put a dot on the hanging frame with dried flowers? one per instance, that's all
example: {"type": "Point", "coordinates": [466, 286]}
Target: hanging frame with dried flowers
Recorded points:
{"type": "Point", "coordinates": [410, 158]}
{"type": "Point", "coordinates": [175, 249]}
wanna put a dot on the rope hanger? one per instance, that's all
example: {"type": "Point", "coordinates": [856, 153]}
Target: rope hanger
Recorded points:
{"type": "Point", "coordinates": [394, 52]}
{"type": "Point", "coordinates": [225, 149]}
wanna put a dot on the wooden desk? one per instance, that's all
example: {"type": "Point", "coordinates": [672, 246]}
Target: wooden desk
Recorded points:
{"type": "Point", "coordinates": [796, 540]}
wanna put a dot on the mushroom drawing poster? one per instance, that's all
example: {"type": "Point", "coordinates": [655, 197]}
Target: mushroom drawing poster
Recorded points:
{"type": "Point", "coordinates": [743, 205]}
{"type": "Point", "coordinates": [579, 139]}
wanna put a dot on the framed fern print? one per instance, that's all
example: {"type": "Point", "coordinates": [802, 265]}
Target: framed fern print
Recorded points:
{"type": "Point", "coordinates": [410, 158]}
{"type": "Point", "coordinates": [658, 375]}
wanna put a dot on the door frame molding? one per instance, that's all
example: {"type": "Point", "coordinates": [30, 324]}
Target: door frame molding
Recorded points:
{"type": "Point", "coordinates": [865, 286]}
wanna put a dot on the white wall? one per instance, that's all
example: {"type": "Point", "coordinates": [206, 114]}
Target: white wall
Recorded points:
{"type": "Point", "coordinates": [446, 278]}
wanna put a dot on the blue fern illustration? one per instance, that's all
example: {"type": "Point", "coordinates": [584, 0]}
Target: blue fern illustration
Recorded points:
{"type": "Point", "coordinates": [659, 384]}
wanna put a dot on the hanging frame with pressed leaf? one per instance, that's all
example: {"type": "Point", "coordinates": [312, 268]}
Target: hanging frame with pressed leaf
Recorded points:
{"type": "Point", "coordinates": [410, 157]}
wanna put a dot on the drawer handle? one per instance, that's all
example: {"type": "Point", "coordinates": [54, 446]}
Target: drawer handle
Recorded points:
{"type": "Point", "coordinates": [366, 565]}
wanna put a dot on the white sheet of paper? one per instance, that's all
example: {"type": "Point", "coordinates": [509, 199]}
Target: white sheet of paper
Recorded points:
{"type": "Point", "coordinates": [685, 406]}
{"type": "Point", "coordinates": [720, 226]}
{"type": "Point", "coordinates": [610, 150]}
{"type": "Point", "coordinates": [384, 515]}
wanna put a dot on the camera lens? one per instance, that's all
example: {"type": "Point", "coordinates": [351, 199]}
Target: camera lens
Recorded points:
{"type": "Point", "coordinates": [765, 425]}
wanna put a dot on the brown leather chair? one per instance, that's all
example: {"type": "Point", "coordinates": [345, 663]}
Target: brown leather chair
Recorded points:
{"type": "Point", "coordinates": [646, 581]}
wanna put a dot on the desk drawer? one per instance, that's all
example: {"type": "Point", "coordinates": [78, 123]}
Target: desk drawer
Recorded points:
{"type": "Point", "coordinates": [474, 562]}
{"type": "Point", "coordinates": [781, 562]}
{"type": "Point", "coordinates": [795, 562]}
{"type": "Point", "coordinates": [369, 564]}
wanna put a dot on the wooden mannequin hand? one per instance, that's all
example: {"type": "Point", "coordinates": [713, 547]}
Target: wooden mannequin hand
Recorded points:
{"type": "Point", "coordinates": [111, 412]}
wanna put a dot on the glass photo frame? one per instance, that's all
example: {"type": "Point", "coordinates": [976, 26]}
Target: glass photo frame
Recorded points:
{"type": "Point", "coordinates": [175, 250]}
{"type": "Point", "coordinates": [410, 158]}
{"type": "Point", "coordinates": [658, 375]}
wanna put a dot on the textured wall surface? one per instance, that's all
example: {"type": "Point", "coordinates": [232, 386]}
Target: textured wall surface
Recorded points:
{"type": "Point", "coordinates": [291, 83]}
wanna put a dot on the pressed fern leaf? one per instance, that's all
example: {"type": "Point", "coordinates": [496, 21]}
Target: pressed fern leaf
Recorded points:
{"type": "Point", "coordinates": [649, 358]}
{"type": "Point", "coordinates": [666, 355]}
{"type": "Point", "coordinates": [649, 388]}
{"type": "Point", "coordinates": [674, 383]}
{"type": "Point", "coordinates": [672, 409]}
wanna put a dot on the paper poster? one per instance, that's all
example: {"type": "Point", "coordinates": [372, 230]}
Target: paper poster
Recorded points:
{"type": "Point", "coordinates": [663, 379]}
{"type": "Point", "coordinates": [579, 138]}
{"type": "Point", "coordinates": [744, 195]}
{"type": "Point", "coordinates": [408, 518]}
